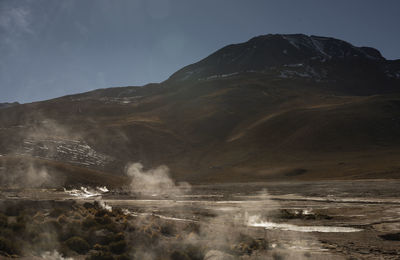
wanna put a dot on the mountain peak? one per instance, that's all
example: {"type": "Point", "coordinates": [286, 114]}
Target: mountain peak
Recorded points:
{"type": "Point", "coordinates": [326, 47]}
{"type": "Point", "coordinates": [264, 52]}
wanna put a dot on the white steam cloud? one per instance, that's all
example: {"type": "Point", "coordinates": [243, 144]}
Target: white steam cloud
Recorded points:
{"type": "Point", "coordinates": [26, 175]}
{"type": "Point", "coordinates": [54, 256]}
{"type": "Point", "coordinates": [154, 182]}
{"type": "Point", "coordinates": [36, 177]}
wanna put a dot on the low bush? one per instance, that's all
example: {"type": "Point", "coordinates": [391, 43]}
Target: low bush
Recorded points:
{"type": "Point", "coordinates": [103, 220]}
{"type": "Point", "coordinates": [3, 220]}
{"type": "Point", "coordinates": [52, 225]}
{"type": "Point", "coordinates": [14, 210]}
{"type": "Point", "coordinates": [78, 244]}
{"type": "Point", "coordinates": [89, 222]}
{"type": "Point", "coordinates": [99, 247]}
{"type": "Point", "coordinates": [99, 236]}
{"type": "Point", "coordinates": [118, 247]}
{"type": "Point", "coordinates": [113, 227]}
{"type": "Point", "coordinates": [247, 245]}
{"type": "Point", "coordinates": [39, 217]}
{"type": "Point", "coordinates": [17, 227]}
{"type": "Point", "coordinates": [6, 232]}
{"type": "Point", "coordinates": [101, 213]}
{"type": "Point", "coordinates": [100, 255]}
{"type": "Point", "coordinates": [123, 257]}
{"type": "Point", "coordinates": [168, 229]}
{"type": "Point", "coordinates": [88, 205]}
{"type": "Point", "coordinates": [120, 236]}
{"type": "Point", "coordinates": [69, 230]}
{"type": "Point", "coordinates": [62, 219]}
{"type": "Point", "coordinates": [56, 212]}
{"type": "Point", "coordinates": [178, 255]}
{"type": "Point", "coordinates": [8, 246]}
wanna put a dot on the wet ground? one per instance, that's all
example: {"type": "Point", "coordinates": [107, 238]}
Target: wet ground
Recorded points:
{"type": "Point", "coordinates": [307, 220]}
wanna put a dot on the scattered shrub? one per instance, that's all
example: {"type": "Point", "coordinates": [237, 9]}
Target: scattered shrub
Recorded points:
{"type": "Point", "coordinates": [168, 229]}
{"type": "Point", "coordinates": [78, 244]}
{"type": "Point", "coordinates": [3, 220]}
{"type": "Point", "coordinates": [248, 244]}
{"type": "Point", "coordinates": [113, 227]}
{"type": "Point", "coordinates": [178, 255]}
{"type": "Point", "coordinates": [7, 246]}
{"type": "Point", "coordinates": [62, 219]}
{"type": "Point", "coordinates": [64, 250]}
{"type": "Point", "coordinates": [99, 255]}
{"type": "Point", "coordinates": [123, 257]}
{"type": "Point", "coordinates": [77, 216]}
{"type": "Point", "coordinates": [39, 217]}
{"type": "Point", "coordinates": [17, 227]}
{"type": "Point", "coordinates": [51, 225]}
{"type": "Point", "coordinates": [103, 220]}
{"type": "Point", "coordinates": [89, 222]}
{"type": "Point", "coordinates": [73, 228]}
{"type": "Point", "coordinates": [96, 236]}
{"type": "Point", "coordinates": [22, 218]}
{"type": "Point", "coordinates": [6, 232]}
{"type": "Point", "coordinates": [99, 247]}
{"type": "Point", "coordinates": [118, 247]}
{"type": "Point", "coordinates": [88, 205]}
{"type": "Point", "coordinates": [13, 210]}
{"type": "Point", "coordinates": [103, 235]}
{"type": "Point", "coordinates": [101, 213]}
{"type": "Point", "coordinates": [117, 212]}
{"type": "Point", "coordinates": [54, 213]}
{"type": "Point", "coordinates": [120, 236]}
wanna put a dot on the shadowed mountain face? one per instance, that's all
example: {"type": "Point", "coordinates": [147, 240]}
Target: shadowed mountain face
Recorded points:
{"type": "Point", "coordinates": [286, 56]}
{"type": "Point", "coordinates": [278, 107]}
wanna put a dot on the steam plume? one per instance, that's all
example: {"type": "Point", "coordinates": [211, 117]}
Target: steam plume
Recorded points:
{"type": "Point", "coordinates": [154, 181]}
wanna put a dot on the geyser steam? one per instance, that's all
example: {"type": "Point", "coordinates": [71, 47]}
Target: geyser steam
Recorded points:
{"type": "Point", "coordinates": [36, 177]}
{"type": "Point", "coordinates": [155, 181]}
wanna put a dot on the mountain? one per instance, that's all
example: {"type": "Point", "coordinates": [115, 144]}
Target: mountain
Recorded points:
{"type": "Point", "coordinates": [4, 105]}
{"type": "Point", "coordinates": [277, 107]}
{"type": "Point", "coordinates": [287, 56]}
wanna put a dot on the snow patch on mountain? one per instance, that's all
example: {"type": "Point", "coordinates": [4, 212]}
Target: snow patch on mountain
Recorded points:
{"type": "Point", "coordinates": [302, 71]}
{"type": "Point", "coordinates": [72, 151]}
{"type": "Point", "coordinates": [221, 76]}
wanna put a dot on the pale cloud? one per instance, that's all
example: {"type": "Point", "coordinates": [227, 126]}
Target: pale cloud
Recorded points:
{"type": "Point", "coordinates": [15, 20]}
{"type": "Point", "coordinates": [15, 24]}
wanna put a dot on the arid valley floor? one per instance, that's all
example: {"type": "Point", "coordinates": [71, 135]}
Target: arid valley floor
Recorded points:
{"type": "Point", "coordinates": [303, 220]}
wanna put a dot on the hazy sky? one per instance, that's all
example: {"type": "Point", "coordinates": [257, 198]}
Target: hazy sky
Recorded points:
{"type": "Point", "coordinates": [53, 48]}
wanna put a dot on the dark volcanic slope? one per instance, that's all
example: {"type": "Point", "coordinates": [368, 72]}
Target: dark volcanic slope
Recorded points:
{"type": "Point", "coordinates": [320, 58]}
{"type": "Point", "coordinates": [276, 107]}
